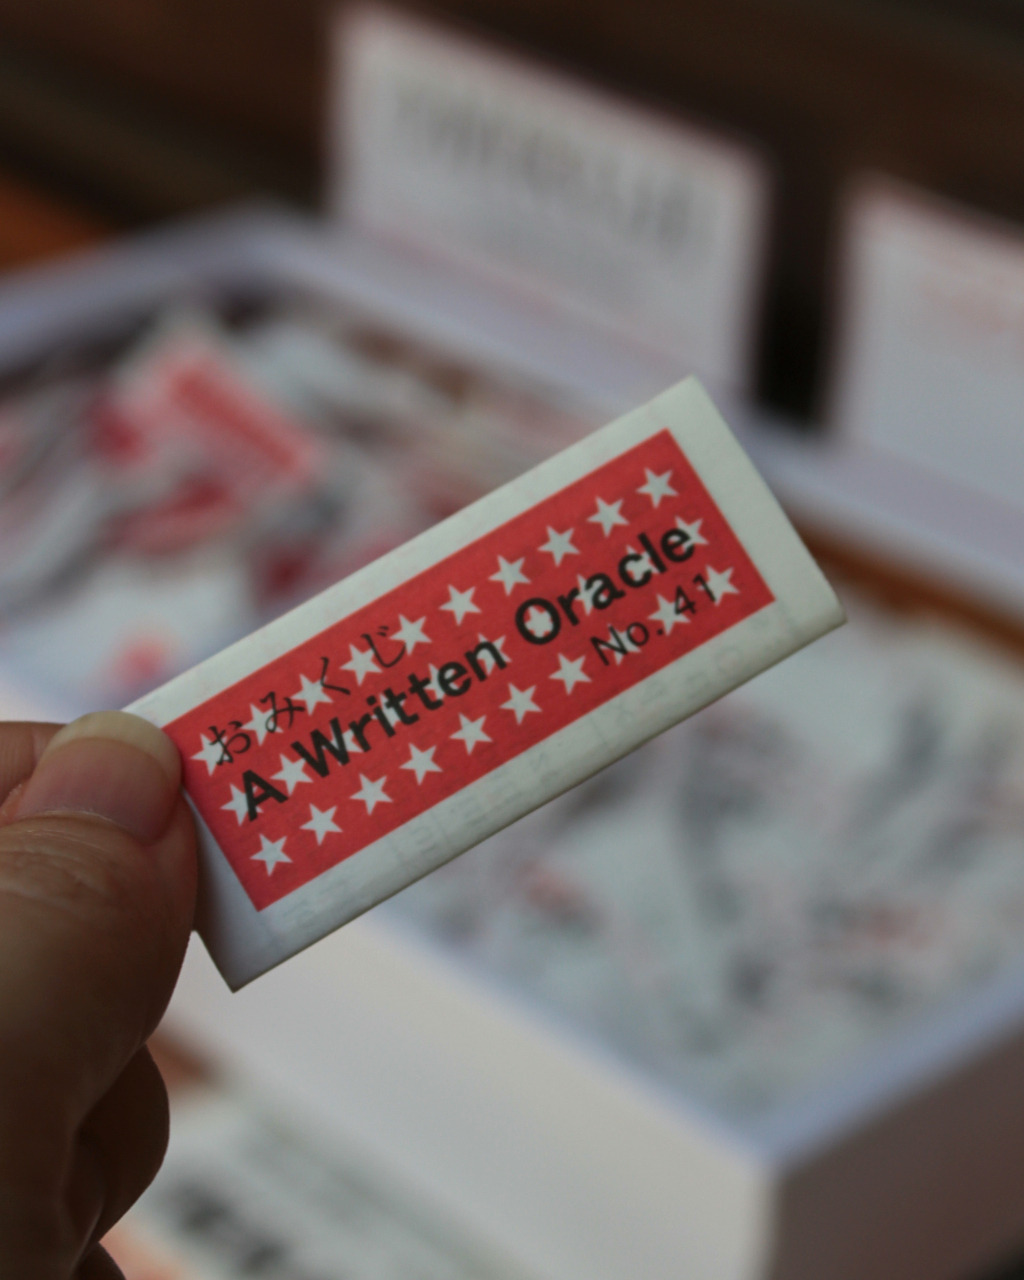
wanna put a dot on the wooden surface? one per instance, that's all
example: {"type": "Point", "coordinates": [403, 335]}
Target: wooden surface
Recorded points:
{"type": "Point", "coordinates": [34, 226]}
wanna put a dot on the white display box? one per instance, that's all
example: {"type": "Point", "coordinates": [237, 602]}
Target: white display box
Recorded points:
{"type": "Point", "coordinates": [908, 1164]}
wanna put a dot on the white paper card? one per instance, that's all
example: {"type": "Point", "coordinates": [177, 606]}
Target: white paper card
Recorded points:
{"type": "Point", "coordinates": [479, 670]}
{"type": "Point", "coordinates": [931, 363]}
{"type": "Point", "coordinates": [629, 219]}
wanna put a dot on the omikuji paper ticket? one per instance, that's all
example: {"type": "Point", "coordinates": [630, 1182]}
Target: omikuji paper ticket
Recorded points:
{"type": "Point", "coordinates": [440, 693]}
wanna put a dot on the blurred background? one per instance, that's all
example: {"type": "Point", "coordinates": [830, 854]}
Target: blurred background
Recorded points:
{"type": "Point", "coordinates": [128, 113]}
{"type": "Point", "coordinates": [413, 250]}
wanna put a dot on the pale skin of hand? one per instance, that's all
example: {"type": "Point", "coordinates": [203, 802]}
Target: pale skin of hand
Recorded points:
{"type": "Point", "coordinates": [97, 896]}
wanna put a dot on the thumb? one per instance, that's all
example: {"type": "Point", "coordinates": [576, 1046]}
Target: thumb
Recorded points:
{"type": "Point", "coordinates": [97, 887]}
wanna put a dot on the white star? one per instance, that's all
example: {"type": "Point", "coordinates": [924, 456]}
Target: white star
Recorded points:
{"type": "Point", "coordinates": [434, 685]}
{"type": "Point", "coordinates": [559, 545]}
{"type": "Point", "coordinates": [259, 723]}
{"type": "Point", "coordinates": [486, 659]}
{"type": "Point", "coordinates": [212, 754]}
{"type": "Point", "coordinates": [292, 773]}
{"type": "Point", "coordinates": [570, 673]}
{"type": "Point", "coordinates": [371, 793]}
{"type": "Point", "coordinates": [312, 693]}
{"type": "Point", "coordinates": [411, 633]}
{"type": "Point", "coordinates": [460, 603]}
{"type": "Point", "coordinates": [657, 487]}
{"type": "Point", "coordinates": [361, 663]}
{"type": "Point", "coordinates": [608, 515]}
{"type": "Point", "coordinates": [238, 804]}
{"type": "Point", "coordinates": [510, 574]}
{"type": "Point", "coordinates": [520, 701]}
{"type": "Point", "coordinates": [692, 531]}
{"type": "Point", "coordinates": [349, 739]}
{"type": "Point", "coordinates": [538, 622]}
{"type": "Point", "coordinates": [421, 762]}
{"type": "Point", "coordinates": [271, 853]}
{"type": "Point", "coordinates": [471, 733]}
{"type": "Point", "coordinates": [642, 564]}
{"type": "Point", "coordinates": [321, 823]}
{"type": "Point", "coordinates": [666, 615]}
{"type": "Point", "coordinates": [720, 584]}
{"type": "Point", "coordinates": [586, 596]}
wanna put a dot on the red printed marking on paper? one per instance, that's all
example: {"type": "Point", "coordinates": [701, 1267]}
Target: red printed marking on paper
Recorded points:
{"type": "Point", "coordinates": [405, 702]}
{"type": "Point", "coordinates": [187, 401]}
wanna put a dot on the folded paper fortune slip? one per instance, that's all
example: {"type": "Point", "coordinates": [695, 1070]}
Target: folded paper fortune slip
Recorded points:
{"type": "Point", "coordinates": [462, 680]}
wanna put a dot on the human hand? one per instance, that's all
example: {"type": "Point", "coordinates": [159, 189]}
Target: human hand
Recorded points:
{"type": "Point", "coordinates": [97, 892]}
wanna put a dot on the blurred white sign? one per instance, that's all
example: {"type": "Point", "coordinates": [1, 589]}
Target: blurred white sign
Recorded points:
{"type": "Point", "coordinates": [931, 363]}
{"type": "Point", "coordinates": [636, 222]}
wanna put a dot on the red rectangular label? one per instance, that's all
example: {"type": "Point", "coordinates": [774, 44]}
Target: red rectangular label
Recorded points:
{"type": "Point", "coordinates": [405, 702]}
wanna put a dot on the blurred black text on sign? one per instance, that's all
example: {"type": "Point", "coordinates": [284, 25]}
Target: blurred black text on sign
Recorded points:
{"type": "Point", "coordinates": [649, 226]}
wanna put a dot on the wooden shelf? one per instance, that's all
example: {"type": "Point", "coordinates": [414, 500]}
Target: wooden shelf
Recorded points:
{"type": "Point", "coordinates": [34, 226]}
